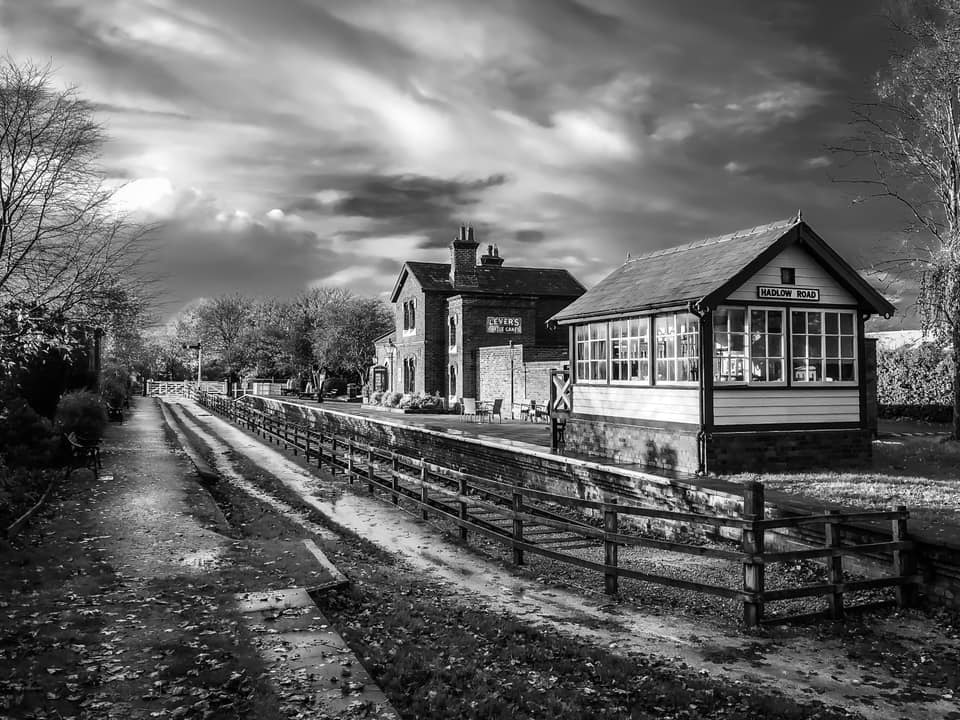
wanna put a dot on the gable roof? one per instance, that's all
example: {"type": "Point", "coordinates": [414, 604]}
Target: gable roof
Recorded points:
{"type": "Point", "coordinates": [703, 273]}
{"type": "Point", "coordinates": [435, 277]}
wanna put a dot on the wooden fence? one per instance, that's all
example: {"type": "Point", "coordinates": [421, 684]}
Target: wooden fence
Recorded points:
{"type": "Point", "coordinates": [184, 387]}
{"type": "Point", "coordinates": [516, 515]}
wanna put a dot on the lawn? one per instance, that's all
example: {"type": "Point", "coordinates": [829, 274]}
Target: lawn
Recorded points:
{"type": "Point", "coordinates": [922, 473]}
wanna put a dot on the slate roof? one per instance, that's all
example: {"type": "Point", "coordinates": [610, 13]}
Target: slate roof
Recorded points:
{"type": "Point", "coordinates": [704, 272]}
{"type": "Point", "coordinates": [435, 277]}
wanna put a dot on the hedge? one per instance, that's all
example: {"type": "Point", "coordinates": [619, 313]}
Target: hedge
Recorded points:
{"type": "Point", "coordinates": [915, 382]}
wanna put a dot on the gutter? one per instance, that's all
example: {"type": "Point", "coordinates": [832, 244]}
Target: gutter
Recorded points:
{"type": "Point", "coordinates": [693, 307]}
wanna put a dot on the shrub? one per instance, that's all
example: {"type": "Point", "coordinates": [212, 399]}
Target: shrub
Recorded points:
{"type": "Point", "coordinates": [392, 400]}
{"type": "Point", "coordinates": [27, 439]}
{"type": "Point", "coordinates": [83, 413]}
{"type": "Point", "coordinates": [19, 489]}
{"type": "Point", "coordinates": [915, 382]}
{"type": "Point", "coordinates": [115, 384]}
{"type": "Point", "coordinates": [376, 398]}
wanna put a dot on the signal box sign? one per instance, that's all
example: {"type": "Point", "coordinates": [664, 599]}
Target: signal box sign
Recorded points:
{"type": "Point", "coordinates": [780, 292]}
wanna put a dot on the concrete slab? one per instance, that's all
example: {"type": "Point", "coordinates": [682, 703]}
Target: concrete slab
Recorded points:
{"type": "Point", "coordinates": [312, 667]}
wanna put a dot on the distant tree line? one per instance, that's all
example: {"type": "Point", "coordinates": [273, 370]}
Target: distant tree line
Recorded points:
{"type": "Point", "coordinates": [265, 337]}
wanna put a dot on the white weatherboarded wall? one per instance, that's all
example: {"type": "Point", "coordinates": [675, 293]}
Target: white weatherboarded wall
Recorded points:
{"type": "Point", "coordinates": [676, 405]}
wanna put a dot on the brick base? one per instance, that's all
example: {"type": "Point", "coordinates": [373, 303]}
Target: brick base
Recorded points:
{"type": "Point", "coordinates": [773, 451]}
{"type": "Point", "coordinates": [655, 447]}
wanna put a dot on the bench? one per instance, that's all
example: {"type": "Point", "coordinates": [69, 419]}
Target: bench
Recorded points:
{"type": "Point", "coordinates": [83, 454]}
{"type": "Point", "coordinates": [115, 412]}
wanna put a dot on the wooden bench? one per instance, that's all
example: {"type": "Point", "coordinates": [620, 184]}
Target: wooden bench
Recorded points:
{"type": "Point", "coordinates": [115, 412]}
{"type": "Point", "coordinates": [83, 454]}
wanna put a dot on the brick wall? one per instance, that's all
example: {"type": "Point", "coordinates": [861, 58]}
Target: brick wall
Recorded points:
{"type": "Point", "coordinates": [531, 380]}
{"type": "Point", "coordinates": [774, 451]}
{"type": "Point", "coordinates": [667, 449]}
{"type": "Point", "coordinates": [938, 563]}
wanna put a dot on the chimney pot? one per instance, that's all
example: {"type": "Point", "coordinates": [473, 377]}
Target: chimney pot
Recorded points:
{"type": "Point", "coordinates": [470, 234]}
{"type": "Point", "coordinates": [496, 251]}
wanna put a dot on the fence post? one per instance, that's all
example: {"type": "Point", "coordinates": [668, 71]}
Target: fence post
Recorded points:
{"type": "Point", "coordinates": [752, 545]}
{"type": "Point", "coordinates": [831, 533]}
{"type": "Point", "coordinates": [333, 453]}
{"type": "Point", "coordinates": [296, 438]}
{"type": "Point", "coordinates": [517, 528]}
{"type": "Point", "coordinates": [306, 444]}
{"type": "Point", "coordinates": [904, 561]}
{"type": "Point", "coordinates": [424, 498]}
{"type": "Point", "coordinates": [394, 480]}
{"type": "Point", "coordinates": [610, 551]}
{"type": "Point", "coordinates": [463, 507]}
{"type": "Point", "coordinates": [320, 450]}
{"type": "Point", "coordinates": [370, 468]}
{"type": "Point", "coordinates": [350, 461]}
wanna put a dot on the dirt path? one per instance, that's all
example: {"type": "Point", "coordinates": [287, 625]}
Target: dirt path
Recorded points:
{"type": "Point", "coordinates": [829, 669]}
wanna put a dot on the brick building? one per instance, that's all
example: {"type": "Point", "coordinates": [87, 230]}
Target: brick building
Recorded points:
{"type": "Point", "coordinates": [742, 352]}
{"type": "Point", "coordinates": [446, 312]}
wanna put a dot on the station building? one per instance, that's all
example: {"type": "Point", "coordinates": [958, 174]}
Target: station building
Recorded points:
{"type": "Point", "coordinates": [447, 312]}
{"type": "Point", "coordinates": [742, 352]}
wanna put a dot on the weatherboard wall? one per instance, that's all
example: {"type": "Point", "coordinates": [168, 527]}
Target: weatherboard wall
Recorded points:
{"type": "Point", "coordinates": [783, 406]}
{"type": "Point", "coordinates": [809, 274]}
{"type": "Point", "coordinates": [654, 404]}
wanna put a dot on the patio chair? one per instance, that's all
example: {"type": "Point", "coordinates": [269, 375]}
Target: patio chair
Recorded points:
{"type": "Point", "coordinates": [469, 408]}
{"type": "Point", "coordinates": [526, 405]}
{"type": "Point", "coordinates": [496, 409]}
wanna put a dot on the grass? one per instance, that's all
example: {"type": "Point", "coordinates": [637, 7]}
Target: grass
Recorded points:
{"type": "Point", "coordinates": [919, 472]}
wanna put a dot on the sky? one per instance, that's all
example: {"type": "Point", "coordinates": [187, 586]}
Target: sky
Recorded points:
{"type": "Point", "coordinates": [298, 143]}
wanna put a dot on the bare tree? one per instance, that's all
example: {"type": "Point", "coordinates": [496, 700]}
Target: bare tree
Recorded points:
{"type": "Point", "coordinates": [910, 135]}
{"type": "Point", "coordinates": [66, 252]}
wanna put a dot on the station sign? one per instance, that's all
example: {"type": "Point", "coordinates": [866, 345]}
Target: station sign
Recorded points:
{"type": "Point", "coordinates": [504, 325]}
{"type": "Point", "coordinates": [781, 292]}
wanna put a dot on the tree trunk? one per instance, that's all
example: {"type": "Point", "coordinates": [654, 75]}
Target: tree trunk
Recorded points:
{"type": "Point", "coordinates": [955, 336]}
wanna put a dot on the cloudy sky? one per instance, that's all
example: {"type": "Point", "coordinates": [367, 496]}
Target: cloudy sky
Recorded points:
{"type": "Point", "coordinates": [294, 143]}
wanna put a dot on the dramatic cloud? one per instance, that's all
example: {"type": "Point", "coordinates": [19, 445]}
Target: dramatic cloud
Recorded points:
{"type": "Point", "coordinates": [290, 144]}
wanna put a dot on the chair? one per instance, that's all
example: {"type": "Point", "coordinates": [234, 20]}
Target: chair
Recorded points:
{"type": "Point", "coordinates": [496, 409]}
{"type": "Point", "coordinates": [469, 408]}
{"type": "Point", "coordinates": [526, 405]}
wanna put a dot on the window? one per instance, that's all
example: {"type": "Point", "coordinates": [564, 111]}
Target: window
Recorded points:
{"type": "Point", "coordinates": [453, 332]}
{"type": "Point", "coordinates": [409, 315]}
{"type": "Point", "coordinates": [677, 337]}
{"type": "Point", "coordinates": [730, 358]}
{"type": "Point", "coordinates": [409, 375]}
{"type": "Point", "coordinates": [453, 380]}
{"type": "Point", "coordinates": [766, 346]}
{"type": "Point", "coordinates": [629, 350]}
{"type": "Point", "coordinates": [591, 349]}
{"type": "Point", "coordinates": [788, 276]}
{"type": "Point", "coordinates": [823, 346]}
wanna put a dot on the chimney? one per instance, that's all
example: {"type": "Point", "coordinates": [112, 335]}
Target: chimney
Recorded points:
{"type": "Point", "coordinates": [492, 258]}
{"type": "Point", "coordinates": [463, 260]}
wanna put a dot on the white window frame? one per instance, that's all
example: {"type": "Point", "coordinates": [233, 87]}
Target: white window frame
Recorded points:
{"type": "Point", "coordinates": [631, 343]}
{"type": "Point", "coordinates": [823, 359]}
{"type": "Point", "coordinates": [590, 346]}
{"type": "Point", "coordinates": [676, 358]}
{"type": "Point", "coordinates": [409, 317]}
{"type": "Point", "coordinates": [452, 326]}
{"type": "Point", "coordinates": [748, 380]}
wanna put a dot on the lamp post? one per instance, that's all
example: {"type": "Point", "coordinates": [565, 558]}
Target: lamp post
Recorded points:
{"type": "Point", "coordinates": [511, 380]}
{"type": "Point", "coordinates": [199, 348]}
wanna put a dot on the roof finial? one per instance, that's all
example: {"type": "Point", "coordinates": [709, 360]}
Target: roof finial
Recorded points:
{"type": "Point", "coordinates": [799, 215]}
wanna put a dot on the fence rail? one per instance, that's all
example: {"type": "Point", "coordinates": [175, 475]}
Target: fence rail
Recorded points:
{"type": "Point", "coordinates": [528, 521]}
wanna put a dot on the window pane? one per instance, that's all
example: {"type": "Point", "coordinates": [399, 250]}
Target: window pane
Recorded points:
{"type": "Point", "coordinates": [813, 346]}
{"type": "Point", "coordinates": [737, 344]}
{"type": "Point", "coordinates": [831, 323]}
{"type": "Point", "coordinates": [758, 371]}
{"type": "Point", "coordinates": [799, 321]}
{"type": "Point", "coordinates": [757, 321]}
{"type": "Point", "coordinates": [775, 370]}
{"type": "Point", "coordinates": [846, 323]}
{"type": "Point", "coordinates": [847, 370]}
{"type": "Point", "coordinates": [799, 346]}
{"type": "Point", "coordinates": [758, 347]}
{"type": "Point", "coordinates": [846, 347]}
{"type": "Point", "coordinates": [832, 346]}
{"type": "Point", "coordinates": [775, 345]}
{"type": "Point", "coordinates": [737, 320]}
{"type": "Point", "coordinates": [833, 370]}
{"type": "Point", "coordinates": [814, 324]}
{"type": "Point", "coordinates": [774, 322]}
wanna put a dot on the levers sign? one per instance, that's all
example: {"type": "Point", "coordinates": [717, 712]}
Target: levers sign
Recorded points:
{"type": "Point", "coordinates": [499, 325]}
{"type": "Point", "coordinates": [773, 292]}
